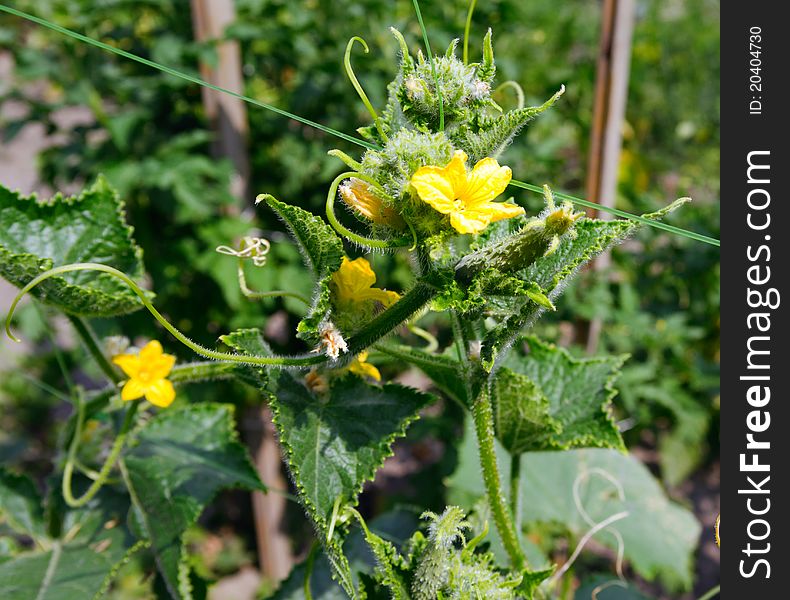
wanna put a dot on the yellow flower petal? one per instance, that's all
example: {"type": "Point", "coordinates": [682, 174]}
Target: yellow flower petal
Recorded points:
{"type": "Point", "coordinates": [455, 171]}
{"type": "Point", "coordinates": [160, 393]}
{"type": "Point", "coordinates": [486, 181]}
{"type": "Point", "coordinates": [503, 210]}
{"type": "Point", "coordinates": [469, 221]}
{"type": "Point", "coordinates": [434, 187]}
{"type": "Point", "coordinates": [353, 277]}
{"type": "Point", "coordinates": [385, 297]}
{"type": "Point", "coordinates": [466, 197]}
{"type": "Point", "coordinates": [132, 390]}
{"type": "Point", "coordinates": [353, 283]}
{"type": "Point", "coordinates": [160, 367]}
{"type": "Point", "coordinates": [150, 352]}
{"type": "Point", "coordinates": [129, 363]}
{"type": "Point", "coordinates": [360, 367]}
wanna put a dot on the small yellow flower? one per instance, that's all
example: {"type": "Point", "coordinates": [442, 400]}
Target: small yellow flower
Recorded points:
{"type": "Point", "coordinates": [360, 366]}
{"type": "Point", "coordinates": [353, 283]}
{"type": "Point", "coordinates": [147, 373]}
{"type": "Point", "coordinates": [466, 196]}
{"type": "Point", "coordinates": [357, 195]}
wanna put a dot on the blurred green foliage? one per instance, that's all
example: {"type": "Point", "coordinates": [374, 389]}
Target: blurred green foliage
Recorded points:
{"type": "Point", "coordinates": [148, 133]}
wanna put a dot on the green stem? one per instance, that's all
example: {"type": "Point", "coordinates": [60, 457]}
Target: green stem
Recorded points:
{"type": "Point", "coordinates": [467, 28]}
{"type": "Point", "coordinates": [358, 87]}
{"type": "Point", "coordinates": [344, 231]}
{"type": "Point", "coordinates": [484, 427]}
{"type": "Point", "coordinates": [201, 371]}
{"type": "Point", "coordinates": [515, 490]}
{"type": "Point", "coordinates": [386, 321]}
{"type": "Point", "coordinates": [104, 472]}
{"type": "Point", "coordinates": [92, 344]}
{"type": "Point", "coordinates": [296, 361]}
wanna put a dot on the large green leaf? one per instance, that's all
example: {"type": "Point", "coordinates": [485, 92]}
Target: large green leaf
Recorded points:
{"type": "Point", "coordinates": [337, 442]}
{"type": "Point", "coordinates": [522, 414]}
{"type": "Point", "coordinates": [20, 505]}
{"type": "Point", "coordinates": [80, 565]}
{"type": "Point", "coordinates": [36, 235]}
{"type": "Point", "coordinates": [175, 466]}
{"type": "Point", "coordinates": [547, 400]}
{"type": "Point", "coordinates": [320, 245]}
{"type": "Point", "coordinates": [659, 536]}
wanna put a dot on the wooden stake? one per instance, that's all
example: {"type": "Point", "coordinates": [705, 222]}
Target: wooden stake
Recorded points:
{"type": "Point", "coordinates": [228, 115]}
{"type": "Point", "coordinates": [611, 92]}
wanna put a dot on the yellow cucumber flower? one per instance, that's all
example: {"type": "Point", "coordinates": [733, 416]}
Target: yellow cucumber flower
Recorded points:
{"type": "Point", "coordinates": [358, 196]}
{"type": "Point", "coordinates": [353, 284]}
{"type": "Point", "coordinates": [466, 196]}
{"type": "Point", "coordinates": [148, 373]}
{"type": "Point", "coordinates": [360, 366]}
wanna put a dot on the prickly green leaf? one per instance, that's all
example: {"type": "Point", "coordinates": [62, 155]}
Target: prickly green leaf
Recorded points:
{"type": "Point", "coordinates": [494, 135]}
{"type": "Point", "coordinates": [335, 443]}
{"type": "Point", "coordinates": [531, 581]}
{"type": "Point", "coordinates": [575, 394]}
{"type": "Point", "coordinates": [36, 235]}
{"type": "Point", "coordinates": [20, 505]}
{"type": "Point", "coordinates": [176, 464]}
{"type": "Point", "coordinates": [549, 272]}
{"type": "Point", "coordinates": [391, 570]}
{"type": "Point", "coordinates": [321, 247]}
{"type": "Point", "coordinates": [659, 536]}
{"type": "Point", "coordinates": [308, 327]}
{"type": "Point", "coordinates": [80, 565]}
{"type": "Point", "coordinates": [522, 414]}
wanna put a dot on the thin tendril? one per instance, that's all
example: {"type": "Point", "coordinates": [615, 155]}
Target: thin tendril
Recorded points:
{"type": "Point", "coordinates": [520, 101]}
{"type": "Point", "coordinates": [182, 75]}
{"type": "Point", "coordinates": [253, 295]}
{"type": "Point", "coordinates": [358, 87]}
{"type": "Point", "coordinates": [115, 451]}
{"type": "Point", "coordinates": [342, 230]}
{"type": "Point", "coordinates": [198, 349]}
{"type": "Point", "coordinates": [467, 28]}
{"type": "Point", "coordinates": [621, 213]}
{"type": "Point", "coordinates": [430, 60]}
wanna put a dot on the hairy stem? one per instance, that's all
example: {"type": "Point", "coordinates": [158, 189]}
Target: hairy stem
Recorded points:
{"type": "Point", "coordinates": [484, 427]}
{"type": "Point", "coordinates": [515, 490]}
{"type": "Point", "coordinates": [386, 321]}
{"type": "Point", "coordinates": [92, 344]}
{"type": "Point", "coordinates": [104, 472]}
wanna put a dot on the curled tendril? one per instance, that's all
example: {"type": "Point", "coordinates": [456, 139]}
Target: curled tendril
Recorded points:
{"type": "Point", "coordinates": [520, 101]}
{"type": "Point", "coordinates": [358, 87]}
{"type": "Point", "coordinates": [254, 248]}
{"type": "Point", "coordinates": [350, 162]}
{"type": "Point", "coordinates": [468, 26]}
{"type": "Point", "coordinates": [296, 361]}
{"type": "Point", "coordinates": [350, 235]}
